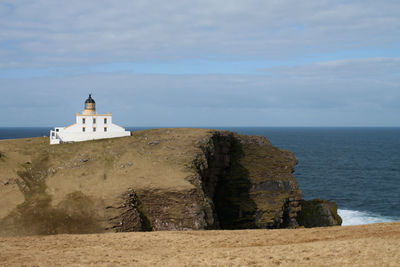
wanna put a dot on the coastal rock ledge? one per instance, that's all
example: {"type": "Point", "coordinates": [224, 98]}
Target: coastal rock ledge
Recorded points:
{"type": "Point", "coordinates": [159, 179]}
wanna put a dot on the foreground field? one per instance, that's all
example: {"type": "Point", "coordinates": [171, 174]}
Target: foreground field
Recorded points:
{"type": "Point", "coordinates": [366, 245]}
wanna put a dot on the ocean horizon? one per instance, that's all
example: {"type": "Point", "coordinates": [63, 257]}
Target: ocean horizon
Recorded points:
{"type": "Point", "coordinates": [357, 167]}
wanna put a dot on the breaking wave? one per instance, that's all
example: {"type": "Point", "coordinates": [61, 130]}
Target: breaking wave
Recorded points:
{"type": "Point", "coordinates": [354, 217]}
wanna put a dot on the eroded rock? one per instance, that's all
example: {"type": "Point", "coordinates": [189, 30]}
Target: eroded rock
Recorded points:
{"type": "Point", "coordinates": [317, 213]}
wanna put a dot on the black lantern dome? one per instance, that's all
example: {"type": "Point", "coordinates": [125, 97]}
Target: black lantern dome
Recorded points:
{"type": "Point", "coordinates": [90, 99]}
{"type": "Point", "coordinates": [90, 106]}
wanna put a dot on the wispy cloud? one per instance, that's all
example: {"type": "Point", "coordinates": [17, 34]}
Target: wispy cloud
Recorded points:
{"type": "Point", "coordinates": [54, 33]}
{"type": "Point", "coordinates": [203, 62]}
{"type": "Point", "coordinates": [351, 92]}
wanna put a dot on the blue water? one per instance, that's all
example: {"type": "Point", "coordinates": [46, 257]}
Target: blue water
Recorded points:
{"type": "Point", "coordinates": [23, 132]}
{"type": "Point", "coordinates": [359, 168]}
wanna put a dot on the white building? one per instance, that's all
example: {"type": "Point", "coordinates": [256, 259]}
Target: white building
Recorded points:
{"type": "Point", "coordinates": [89, 126]}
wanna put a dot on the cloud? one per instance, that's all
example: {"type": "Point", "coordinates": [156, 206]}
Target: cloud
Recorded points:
{"type": "Point", "coordinates": [336, 93]}
{"type": "Point", "coordinates": [208, 62]}
{"type": "Point", "coordinates": [58, 33]}
{"type": "Point", "coordinates": [345, 68]}
{"type": "Point", "coordinates": [348, 83]}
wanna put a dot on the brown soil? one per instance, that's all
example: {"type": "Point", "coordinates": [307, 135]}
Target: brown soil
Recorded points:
{"type": "Point", "coordinates": [366, 245]}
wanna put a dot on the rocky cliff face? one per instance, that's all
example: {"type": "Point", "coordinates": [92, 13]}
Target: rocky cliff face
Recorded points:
{"type": "Point", "coordinates": [249, 182]}
{"type": "Point", "coordinates": [316, 213]}
{"type": "Point", "coordinates": [162, 179]}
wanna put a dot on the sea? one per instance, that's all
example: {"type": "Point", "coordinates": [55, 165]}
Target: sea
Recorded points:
{"type": "Point", "coordinates": [357, 167]}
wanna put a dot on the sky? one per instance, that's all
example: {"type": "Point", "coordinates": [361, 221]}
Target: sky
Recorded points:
{"type": "Point", "coordinates": [201, 63]}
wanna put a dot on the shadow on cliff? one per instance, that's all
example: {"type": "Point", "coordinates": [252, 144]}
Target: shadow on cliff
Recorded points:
{"type": "Point", "coordinates": [37, 216]}
{"type": "Point", "coordinates": [226, 182]}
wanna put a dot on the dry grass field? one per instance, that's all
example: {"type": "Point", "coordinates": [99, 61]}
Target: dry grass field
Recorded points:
{"type": "Point", "coordinates": [365, 245]}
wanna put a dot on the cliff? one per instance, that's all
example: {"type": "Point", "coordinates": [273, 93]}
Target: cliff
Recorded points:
{"type": "Point", "coordinates": [160, 179]}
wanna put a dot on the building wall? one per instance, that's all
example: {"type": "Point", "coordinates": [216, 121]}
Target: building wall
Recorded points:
{"type": "Point", "coordinates": [93, 129]}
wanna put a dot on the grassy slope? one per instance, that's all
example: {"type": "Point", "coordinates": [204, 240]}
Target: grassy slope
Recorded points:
{"type": "Point", "coordinates": [157, 159]}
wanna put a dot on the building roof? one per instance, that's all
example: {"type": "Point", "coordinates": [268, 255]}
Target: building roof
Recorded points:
{"type": "Point", "coordinates": [90, 99]}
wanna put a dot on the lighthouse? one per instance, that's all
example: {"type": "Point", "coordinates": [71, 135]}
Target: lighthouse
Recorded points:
{"type": "Point", "coordinates": [88, 126]}
{"type": "Point", "coordinates": [90, 106]}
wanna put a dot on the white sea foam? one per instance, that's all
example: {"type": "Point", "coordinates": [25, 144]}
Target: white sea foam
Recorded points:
{"type": "Point", "coordinates": [354, 217]}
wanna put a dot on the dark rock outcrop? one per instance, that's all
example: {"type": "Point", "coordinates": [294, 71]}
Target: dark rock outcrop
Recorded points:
{"type": "Point", "coordinates": [317, 213]}
{"type": "Point", "coordinates": [249, 182]}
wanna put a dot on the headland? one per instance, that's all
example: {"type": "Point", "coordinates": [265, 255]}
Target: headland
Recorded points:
{"type": "Point", "coordinates": [159, 179]}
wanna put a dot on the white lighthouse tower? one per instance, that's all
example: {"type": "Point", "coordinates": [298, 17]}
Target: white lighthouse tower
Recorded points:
{"type": "Point", "coordinates": [89, 126]}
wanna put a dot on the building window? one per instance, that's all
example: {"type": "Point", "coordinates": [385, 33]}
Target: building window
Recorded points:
{"type": "Point", "coordinates": [105, 121]}
{"type": "Point", "coordinates": [83, 120]}
{"type": "Point", "coordinates": [94, 129]}
{"type": "Point", "coordinates": [105, 129]}
{"type": "Point", "coordinates": [94, 120]}
{"type": "Point", "coordinates": [83, 129]}
{"type": "Point", "coordinates": [57, 130]}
